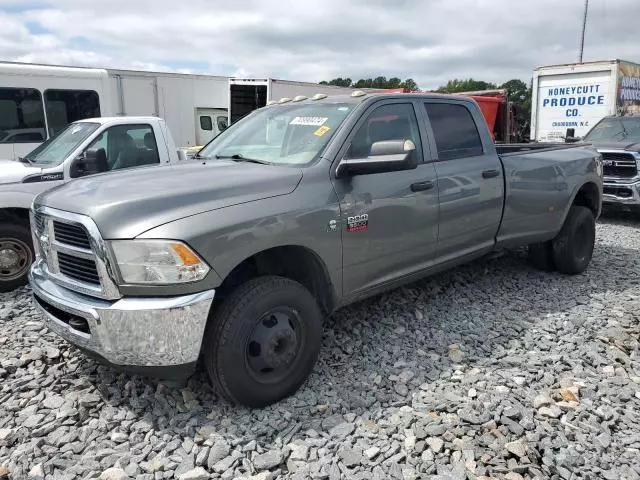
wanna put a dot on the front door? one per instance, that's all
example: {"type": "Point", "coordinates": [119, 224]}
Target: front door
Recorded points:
{"type": "Point", "coordinates": [208, 124]}
{"type": "Point", "coordinates": [389, 221]}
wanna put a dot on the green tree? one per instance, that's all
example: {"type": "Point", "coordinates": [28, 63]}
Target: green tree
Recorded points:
{"type": "Point", "coordinates": [519, 94]}
{"type": "Point", "coordinates": [339, 82]}
{"type": "Point", "coordinates": [378, 82]}
{"type": "Point", "coordinates": [410, 84]}
{"type": "Point", "coordinates": [469, 85]}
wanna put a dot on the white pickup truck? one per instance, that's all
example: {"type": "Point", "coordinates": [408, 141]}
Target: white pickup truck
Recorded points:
{"type": "Point", "coordinates": [85, 147]}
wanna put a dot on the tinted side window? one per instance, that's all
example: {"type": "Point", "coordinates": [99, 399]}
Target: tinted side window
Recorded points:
{"type": "Point", "coordinates": [66, 106]}
{"type": "Point", "coordinates": [455, 131]}
{"type": "Point", "coordinates": [389, 122]}
{"type": "Point", "coordinates": [205, 123]}
{"type": "Point", "coordinates": [21, 115]}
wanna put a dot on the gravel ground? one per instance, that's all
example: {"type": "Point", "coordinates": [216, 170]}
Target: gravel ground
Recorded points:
{"type": "Point", "coordinates": [492, 370]}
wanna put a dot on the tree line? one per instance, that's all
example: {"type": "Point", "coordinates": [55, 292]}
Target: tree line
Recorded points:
{"type": "Point", "coordinates": [519, 92]}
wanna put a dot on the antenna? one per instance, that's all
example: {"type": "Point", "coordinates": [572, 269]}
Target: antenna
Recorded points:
{"type": "Point", "coordinates": [584, 26]}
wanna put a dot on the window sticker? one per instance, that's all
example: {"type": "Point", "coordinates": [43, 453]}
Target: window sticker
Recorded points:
{"type": "Point", "coordinates": [308, 121]}
{"type": "Point", "coordinates": [321, 131]}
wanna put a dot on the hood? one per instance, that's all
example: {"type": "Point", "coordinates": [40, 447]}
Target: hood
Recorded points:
{"type": "Point", "coordinates": [623, 145]}
{"type": "Point", "coordinates": [127, 203]}
{"type": "Point", "coordinates": [13, 171]}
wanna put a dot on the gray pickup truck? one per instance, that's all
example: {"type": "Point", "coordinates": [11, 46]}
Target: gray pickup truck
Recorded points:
{"type": "Point", "coordinates": [298, 209]}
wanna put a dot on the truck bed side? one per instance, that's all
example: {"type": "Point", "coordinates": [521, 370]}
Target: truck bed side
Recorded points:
{"type": "Point", "coordinates": [540, 187]}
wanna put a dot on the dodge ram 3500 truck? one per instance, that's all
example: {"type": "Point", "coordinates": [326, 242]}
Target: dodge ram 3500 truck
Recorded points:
{"type": "Point", "coordinates": [618, 140]}
{"type": "Point", "coordinates": [292, 212]}
{"type": "Point", "coordinates": [83, 148]}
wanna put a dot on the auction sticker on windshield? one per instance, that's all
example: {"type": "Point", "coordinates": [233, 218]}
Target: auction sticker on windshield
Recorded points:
{"type": "Point", "coordinates": [321, 131]}
{"type": "Point", "coordinates": [309, 121]}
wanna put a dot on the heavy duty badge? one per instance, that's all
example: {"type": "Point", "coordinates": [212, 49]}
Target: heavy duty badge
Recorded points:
{"type": "Point", "coordinates": [358, 223]}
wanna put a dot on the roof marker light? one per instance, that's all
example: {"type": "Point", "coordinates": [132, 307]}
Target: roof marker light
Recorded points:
{"type": "Point", "coordinates": [299, 98]}
{"type": "Point", "coordinates": [271, 102]}
{"type": "Point", "coordinates": [284, 100]}
{"type": "Point", "coordinates": [319, 96]}
{"type": "Point", "coordinates": [358, 93]}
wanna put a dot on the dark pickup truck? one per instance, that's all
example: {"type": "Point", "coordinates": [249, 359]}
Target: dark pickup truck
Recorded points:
{"type": "Point", "coordinates": [299, 208]}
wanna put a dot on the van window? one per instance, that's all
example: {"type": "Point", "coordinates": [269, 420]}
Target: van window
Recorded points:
{"type": "Point", "coordinates": [205, 122]}
{"type": "Point", "coordinates": [66, 106]}
{"type": "Point", "coordinates": [21, 115]}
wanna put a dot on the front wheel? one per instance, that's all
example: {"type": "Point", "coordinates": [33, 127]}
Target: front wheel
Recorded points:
{"type": "Point", "coordinates": [573, 247]}
{"type": "Point", "coordinates": [263, 341]}
{"type": "Point", "coordinates": [16, 255]}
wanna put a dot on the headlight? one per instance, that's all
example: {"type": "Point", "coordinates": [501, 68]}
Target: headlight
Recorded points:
{"type": "Point", "coordinates": [159, 262]}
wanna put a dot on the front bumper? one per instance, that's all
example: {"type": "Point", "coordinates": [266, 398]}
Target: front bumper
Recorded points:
{"type": "Point", "coordinates": [621, 193]}
{"type": "Point", "coordinates": [140, 333]}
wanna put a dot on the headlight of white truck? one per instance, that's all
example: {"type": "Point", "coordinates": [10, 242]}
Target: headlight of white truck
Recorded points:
{"type": "Point", "coordinates": [157, 262]}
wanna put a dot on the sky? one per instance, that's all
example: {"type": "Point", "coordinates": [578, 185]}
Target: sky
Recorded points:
{"type": "Point", "coordinates": [430, 41]}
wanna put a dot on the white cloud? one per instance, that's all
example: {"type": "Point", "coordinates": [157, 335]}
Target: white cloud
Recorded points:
{"type": "Point", "coordinates": [431, 41]}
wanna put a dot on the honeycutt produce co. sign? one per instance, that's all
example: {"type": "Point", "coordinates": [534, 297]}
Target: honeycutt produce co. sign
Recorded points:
{"type": "Point", "coordinates": [573, 98]}
{"type": "Point", "coordinates": [578, 105]}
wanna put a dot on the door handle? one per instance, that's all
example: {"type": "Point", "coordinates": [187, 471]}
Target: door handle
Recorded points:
{"type": "Point", "coordinates": [421, 186]}
{"type": "Point", "coordinates": [490, 173]}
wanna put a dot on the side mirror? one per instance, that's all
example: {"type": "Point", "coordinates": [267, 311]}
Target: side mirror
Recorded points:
{"type": "Point", "coordinates": [182, 156]}
{"type": "Point", "coordinates": [570, 136]}
{"type": "Point", "coordinates": [385, 156]}
{"type": "Point", "coordinates": [85, 164]}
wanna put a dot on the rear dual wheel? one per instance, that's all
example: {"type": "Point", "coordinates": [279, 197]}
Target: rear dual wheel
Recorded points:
{"type": "Point", "coordinates": [263, 341]}
{"type": "Point", "coordinates": [571, 250]}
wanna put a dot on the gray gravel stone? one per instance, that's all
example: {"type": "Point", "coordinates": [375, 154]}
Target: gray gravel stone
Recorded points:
{"type": "Point", "coordinates": [350, 456]}
{"type": "Point", "coordinates": [197, 473]}
{"type": "Point", "coordinates": [114, 474]}
{"type": "Point", "coordinates": [342, 430]}
{"type": "Point", "coordinates": [268, 460]}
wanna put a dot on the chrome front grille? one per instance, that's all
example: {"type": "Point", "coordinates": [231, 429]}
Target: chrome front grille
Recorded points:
{"type": "Point", "coordinates": [79, 269]}
{"type": "Point", "coordinates": [619, 164]}
{"type": "Point", "coordinates": [73, 253]}
{"type": "Point", "coordinates": [71, 235]}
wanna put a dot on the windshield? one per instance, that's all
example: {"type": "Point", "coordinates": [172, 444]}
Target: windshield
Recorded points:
{"type": "Point", "coordinates": [57, 148]}
{"type": "Point", "coordinates": [283, 135]}
{"type": "Point", "coordinates": [616, 129]}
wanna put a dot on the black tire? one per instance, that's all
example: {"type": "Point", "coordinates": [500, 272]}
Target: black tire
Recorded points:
{"type": "Point", "coordinates": [263, 341]}
{"type": "Point", "coordinates": [541, 256]}
{"type": "Point", "coordinates": [16, 255]}
{"type": "Point", "coordinates": [573, 246]}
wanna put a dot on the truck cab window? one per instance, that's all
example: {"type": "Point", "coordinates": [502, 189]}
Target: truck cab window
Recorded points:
{"type": "Point", "coordinates": [67, 106]}
{"type": "Point", "coordinates": [455, 131]}
{"type": "Point", "coordinates": [389, 122]}
{"type": "Point", "coordinates": [123, 146]}
{"type": "Point", "coordinates": [21, 115]}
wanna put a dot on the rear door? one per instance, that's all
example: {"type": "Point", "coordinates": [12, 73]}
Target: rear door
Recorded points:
{"type": "Point", "coordinates": [470, 178]}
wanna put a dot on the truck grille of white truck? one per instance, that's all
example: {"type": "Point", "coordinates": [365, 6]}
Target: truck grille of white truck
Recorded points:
{"type": "Point", "coordinates": [73, 252]}
{"type": "Point", "coordinates": [619, 164]}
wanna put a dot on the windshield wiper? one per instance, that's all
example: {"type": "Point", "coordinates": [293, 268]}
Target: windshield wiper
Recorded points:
{"type": "Point", "coordinates": [24, 160]}
{"type": "Point", "coordinates": [242, 158]}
